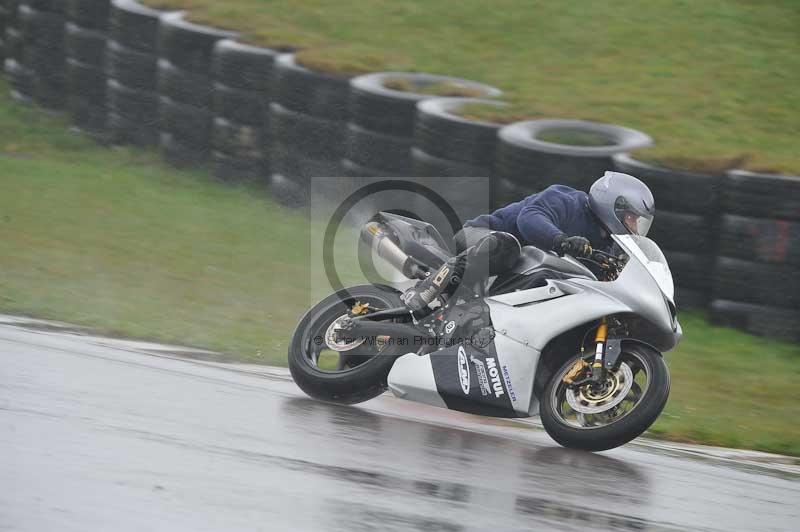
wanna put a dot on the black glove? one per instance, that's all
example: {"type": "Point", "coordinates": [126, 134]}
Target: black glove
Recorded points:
{"type": "Point", "coordinates": [577, 246]}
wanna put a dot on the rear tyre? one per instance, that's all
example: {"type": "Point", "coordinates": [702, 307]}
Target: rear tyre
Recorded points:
{"type": "Point", "coordinates": [357, 372]}
{"type": "Point", "coordinates": [643, 387]}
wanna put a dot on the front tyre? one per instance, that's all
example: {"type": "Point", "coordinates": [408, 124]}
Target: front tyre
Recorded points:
{"type": "Point", "coordinates": [596, 417]}
{"type": "Point", "coordinates": [343, 372]}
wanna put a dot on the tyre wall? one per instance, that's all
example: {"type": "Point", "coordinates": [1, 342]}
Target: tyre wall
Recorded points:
{"type": "Point", "coordinates": [241, 93]}
{"type": "Point", "coordinates": [131, 66]}
{"type": "Point", "coordinates": [41, 24]}
{"type": "Point", "coordinates": [19, 76]}
{"type": "Point", "coordinates": [185, 88]}
{"type": "Point", "coordinates": [307, 122]}
{"type": "Point", "coordinates": [85, 38]}
{"type": "Point", "coordinates": [757, 269]}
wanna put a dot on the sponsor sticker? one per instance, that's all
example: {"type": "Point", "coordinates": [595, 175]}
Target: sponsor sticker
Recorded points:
{"type": "Point", "coordinates": [483, 378]}
{"type": "Point", "coordinates": [507, 378]}
{"type": "Point", "coordinates": [463, 370]}
{"type": "Point", "coordinates": [450, 327]}
{"type": "Point", "coordinates": [494, 376]}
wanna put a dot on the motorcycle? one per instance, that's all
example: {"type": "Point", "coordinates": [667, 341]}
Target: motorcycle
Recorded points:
{"type": "Point", "coordinates": [578, 341]}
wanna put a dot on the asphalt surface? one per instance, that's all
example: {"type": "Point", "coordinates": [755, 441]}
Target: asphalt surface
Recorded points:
{"type": "Point", "coordinates": [106, 437]}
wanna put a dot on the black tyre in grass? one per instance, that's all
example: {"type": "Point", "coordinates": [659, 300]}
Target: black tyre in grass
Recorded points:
{"type": "Point", "coordinates": [242, 66]}
{"type": "Point", "coordinates": [134, 69]}
{"type": "Point", "coordinates": [20, 78]}
{"type": "Point", "coordinates": [379, 105]}
{"type": "Point", "coordinates": [242, 106]}
{"type": "Point", "coordinates": [133, 114]}
{"type": "Point", "coordinates": [675, 190]}
{"type": "Point", "coordinates": [540, 153]}
{"type": "Point", "coordinates": [353, 374]}
{"type": "Point", "coordinates": [84, 45]}
{"type": "Point", "coordinates": [188, 125]}
{"type": "Point", "coordinates": [134, 25]}
{"type": "Point", "coordinates": [762, 320]}
{"type": "Point", "coordinates": [122, 130]}
{"type": "Point", "coordinates": [762, 195]}
{"type": "Point", "coordinates": [379, 150]}
{"type": "Point", "coordinates": [187, 45]}
{"type": "Point", "coordinates": [424, 164]}
{"type": "Point", "coordinates": [242, 86]}
{"type": "Point", "coordinates": [43, 52]}
{"type": "Point", "coordinates": [641, 405]}
{"type": "Point", "coordinates": [13, 43]}
{"type": "Point", "coordinates": [183, 86]}
{"type": "Point", "coordinates": [87, 97]}
{"type": "Point", "coordinates": [686, 233]}
{"type": "Point", "coordinates": [180, 154]}
{"type": "Point", "coordinates": [760, 239]}
{"type": "Point", "coordinates": [774, 285]}
{"type": "Point", "coordinates": [309, 92]}
{"type": "Point", "coordinates": [692, 275]}
{"type": "Point", "coordinates": [317, 138]}
{"type": "Point", "coordinates": [440, 132]}
{"type": "Point", "coordinates": [89, 14]}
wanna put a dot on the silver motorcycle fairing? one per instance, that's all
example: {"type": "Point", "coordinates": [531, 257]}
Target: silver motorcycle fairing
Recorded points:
{"type": "Point", "coordinates": [525, 322]}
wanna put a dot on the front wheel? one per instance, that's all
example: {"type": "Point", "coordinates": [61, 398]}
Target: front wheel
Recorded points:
{"type": "Point", "coordinates": [600, 416]}
{"type": "Point", "coordinates": [340, 371]}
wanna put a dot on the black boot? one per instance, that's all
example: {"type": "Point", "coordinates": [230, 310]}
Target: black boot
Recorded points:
{"type": "Point", "coordinates": [448, 276]}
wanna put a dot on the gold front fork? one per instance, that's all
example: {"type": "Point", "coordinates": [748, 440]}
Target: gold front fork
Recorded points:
{"type": "Point", "coordinates": [600, 345]}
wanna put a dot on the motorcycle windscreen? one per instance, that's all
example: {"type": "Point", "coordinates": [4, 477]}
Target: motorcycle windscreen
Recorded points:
{"type": "Point", "coordinates": [470, 379]}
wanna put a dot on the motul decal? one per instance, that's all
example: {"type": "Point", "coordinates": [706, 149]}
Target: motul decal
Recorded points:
{"type": "Point", "coordinates": [494, 374]}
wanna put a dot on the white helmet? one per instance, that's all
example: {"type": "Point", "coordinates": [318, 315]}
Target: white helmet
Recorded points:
{"type": "Point", "coordinates": [622, 203]}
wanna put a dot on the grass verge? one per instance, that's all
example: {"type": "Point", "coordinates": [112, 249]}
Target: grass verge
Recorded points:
{"type": "Point", "coordinates": [114, 239]}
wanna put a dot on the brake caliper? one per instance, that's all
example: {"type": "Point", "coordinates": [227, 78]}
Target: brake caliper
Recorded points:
{"type": "Point", "coordinates": [577, 368]}
{"type": "Point", "coordinates": [359, 308]}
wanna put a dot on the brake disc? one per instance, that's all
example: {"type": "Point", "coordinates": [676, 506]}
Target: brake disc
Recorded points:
{"type": "Point", "coordinates": [340, 345]}
{"type": "Point", "coordinates": [617, 386]}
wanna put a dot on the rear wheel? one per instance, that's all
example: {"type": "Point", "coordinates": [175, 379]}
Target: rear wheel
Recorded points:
{"type": "Point", "coordinates": [342, 371]}
{"type": "Point", "coordinates": [600, 416]}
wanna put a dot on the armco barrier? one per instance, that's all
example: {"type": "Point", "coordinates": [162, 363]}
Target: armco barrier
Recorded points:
{"type": "Point", "coordinates": [307, 124]}
{"type": "Point", "coordinates": [685, 226]}
{"type": "Point", "coordinates": [185, 88]}
{"type": "Point", "coordinates": [132, 100]}
{"type": "Point", "coordinates": [85, 37]}
{"type": "Point", "coordinates": [315, 125]}
{"type": "Point", "coordinates": [242, 76]}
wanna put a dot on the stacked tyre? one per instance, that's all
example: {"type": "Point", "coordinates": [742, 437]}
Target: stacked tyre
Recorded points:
{"type": "Point", "coordinates": [308, 118]}
{"type": "Point", "coordinates": [242, 77]}
{"type": "Point", "coordinates": [42, 26]}
{"type": "Point", "coordinates": [131, 59]}
{"type": "Point", "coordinates": [85, 37]}
{"type": "Point", "coordinates": [380, 134]}
{"type": "Point", "coordinates": [185, 88]}
{"type": "Point", "coordinates": [757, 274]}
{"type": "Point", "coordinates": [19, 76]}
{"type": "Point", "coordinates": [4, 17]}
{"type": "Point", "coordinates": [459, 149]}
{"type": "Point", "coordinates": [535, 154]}
{"type": "Point", "coordinates": [685, 226]}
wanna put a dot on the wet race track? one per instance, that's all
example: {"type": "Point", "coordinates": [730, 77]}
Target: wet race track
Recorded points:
{"type": "Point", "coordinates": [99, 435]}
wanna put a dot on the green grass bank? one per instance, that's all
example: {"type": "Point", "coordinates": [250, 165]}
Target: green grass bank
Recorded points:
{"type": "Point", "coordinates": [713, 82]}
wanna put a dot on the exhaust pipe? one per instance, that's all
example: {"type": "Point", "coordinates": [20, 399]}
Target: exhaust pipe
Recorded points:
{"type": "Point", "coordinates": [377, 238]}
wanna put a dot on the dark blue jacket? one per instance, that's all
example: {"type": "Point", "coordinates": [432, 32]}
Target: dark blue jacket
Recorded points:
{"type": "Point", "coordinates": [539, 218]}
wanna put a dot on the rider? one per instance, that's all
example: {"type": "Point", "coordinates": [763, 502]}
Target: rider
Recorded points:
{"type": "Point", "coordinates": [559, 219]}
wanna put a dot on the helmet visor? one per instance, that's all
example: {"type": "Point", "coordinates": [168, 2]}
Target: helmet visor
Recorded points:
{"type": "Point", "coordinates": [637, 224]}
